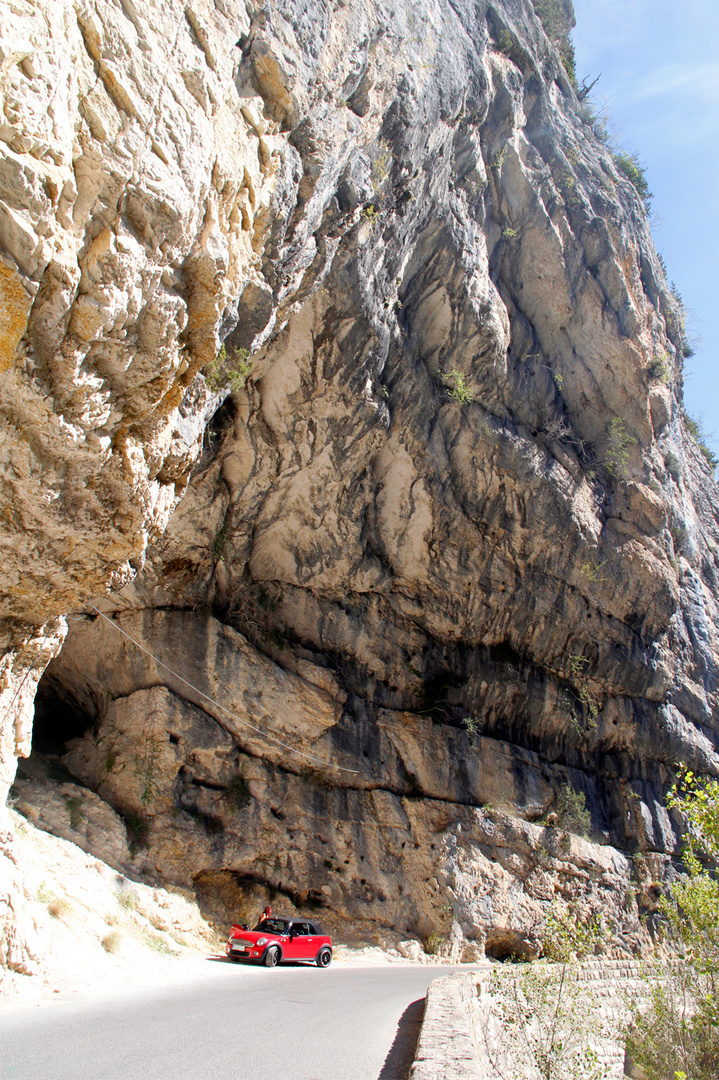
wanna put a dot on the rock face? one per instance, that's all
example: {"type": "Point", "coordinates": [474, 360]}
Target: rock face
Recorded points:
{"type": "Point", "coordinates": [448, 535]}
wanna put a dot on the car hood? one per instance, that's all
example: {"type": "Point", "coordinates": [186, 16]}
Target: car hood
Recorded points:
{"type": "Point", "coordinates": [255, 935]}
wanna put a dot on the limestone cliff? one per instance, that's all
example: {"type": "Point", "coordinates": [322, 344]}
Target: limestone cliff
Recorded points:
{"type": "Point", "coordinates": [447, 536]}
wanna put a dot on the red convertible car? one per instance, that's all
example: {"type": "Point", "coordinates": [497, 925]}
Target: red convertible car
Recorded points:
{"type": "Point", "coordinates": [278, 938]}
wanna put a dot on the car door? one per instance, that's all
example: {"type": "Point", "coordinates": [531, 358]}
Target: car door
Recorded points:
{"type": "Point", "coordinates": [302, 942]}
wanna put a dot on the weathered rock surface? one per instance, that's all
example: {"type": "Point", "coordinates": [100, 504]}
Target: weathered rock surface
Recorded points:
{"type": "Point", "coordinates": [455, 486]}
{"type": "Point", "coordinates": [266, 784]}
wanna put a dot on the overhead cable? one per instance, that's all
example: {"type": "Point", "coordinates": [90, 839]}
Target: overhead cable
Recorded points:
{"type": "Point", "coordinates": [217, 705]}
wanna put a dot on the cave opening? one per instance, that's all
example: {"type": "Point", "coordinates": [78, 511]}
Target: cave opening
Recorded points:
{"type": "Point", "coordinates": [508, 946]}
{"type": "Point", "coordinates": [59, 717]}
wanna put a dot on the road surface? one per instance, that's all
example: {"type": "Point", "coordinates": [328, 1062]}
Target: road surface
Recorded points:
{"type": "Point", "coordinates": [243, 1023]}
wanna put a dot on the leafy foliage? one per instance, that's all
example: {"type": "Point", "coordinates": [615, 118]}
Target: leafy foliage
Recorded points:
{"type": "Point", "coordinates": [571, 811]}
{"type": "Point", "coordinates": [557, 19]}
{"type": "Point", "coordinates": [619, 441]}
{"type": "Point", "coordinates": [695, 429]}
{"type": "Point", "coordinates": [569, 936]}
{"type": "Point", "coordinates": [661, 368]}
{"type": "Point", "coordinates": [457, 387]}
{"type": "Point", "coordinates": [228, 370]}
{"type": "Point", "coordinates": [679, 1034]}
{"type": "Point", "coordinates": [146, 766]}
{"type": "Point", "coordinates": [693, 907]}
{"type": "Point", "coordinates": [433, 943]}
{"type": "Point", "coordinates": [542, 1023]}
{"type": "Point", "coordinates": [219, 542]}
{"type": "Point", "coordinates": [631, 167]}
{"type": "Point", "coordinates": [473, 728]}
{"type": "Point", "coordinates": [671, 1040]}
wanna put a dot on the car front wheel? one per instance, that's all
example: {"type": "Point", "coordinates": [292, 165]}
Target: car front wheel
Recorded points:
{"type": "Point", "coordinates": [324, 958]}
{"type": "Point", "coordinates": [272, 956]}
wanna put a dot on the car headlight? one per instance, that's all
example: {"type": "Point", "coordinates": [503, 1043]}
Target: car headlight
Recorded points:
{"type": "Point", "coordinates": [262, 941]}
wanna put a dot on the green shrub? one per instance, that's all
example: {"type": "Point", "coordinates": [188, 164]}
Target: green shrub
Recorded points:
{"type": "Point", "coordinates": [505, 42]}
{"type": "Point", "coordinates": [696, 430]}
{"type": "Point", "coordinates": [631, 167]}
{"type": "Point", "coordinates": [619, 441]}
{"type": "Point", "coordinates": [592, 571]}
{"type": "Point", "coordinates": [567, 936]}
{"type": "Point", "coordinates": [571, 811]}
{"type": "Point", "coordinates": [458, 388]}
{"type": "Point", "coordinates": [678, 1036]}
{"type": "Point", "coordinates": [228, 370]}
{"type": "Point", "coordinates": [433, 943]}
{"type": "Point", "coordinates": [557, 22]}
{"type": "Point", "coordinates": [219, 542]}
{"type": "Point", "coordinates": [661, 368]}
{"type": "Point", "coordinates": [473, 728]}
{"type": "Point", "coordinates": [543, 1024]}
{"type": "Point", "coordinates": [146, 767]}
{"type": "Point", "coordinates": [672, 1040]}
{"type": "Point", "coordinates": [74, 804]}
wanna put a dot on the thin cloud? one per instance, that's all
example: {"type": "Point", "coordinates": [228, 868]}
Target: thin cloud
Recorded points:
{"type": "Point", "coordinates": [699, 82]}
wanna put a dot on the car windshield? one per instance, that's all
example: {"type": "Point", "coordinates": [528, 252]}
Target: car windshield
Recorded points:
{"type": "Point", "coordinates": [272, 926]}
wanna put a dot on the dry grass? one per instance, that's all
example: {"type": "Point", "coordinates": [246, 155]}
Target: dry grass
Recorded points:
{"type": "Point", "coordinates": [111, 942]}
{"type": "Point", "coordinates": [59, 908]}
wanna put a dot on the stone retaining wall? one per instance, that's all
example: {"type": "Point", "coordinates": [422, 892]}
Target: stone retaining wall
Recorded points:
{"type": "Point", "coordinates": [450, 1043]}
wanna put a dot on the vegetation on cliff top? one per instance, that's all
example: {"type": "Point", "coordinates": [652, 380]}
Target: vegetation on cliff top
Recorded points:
{"type": "Point", "coordinates": [557, 18]}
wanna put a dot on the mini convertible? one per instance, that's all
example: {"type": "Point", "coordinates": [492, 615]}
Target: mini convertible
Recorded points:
{"type": "Point", "coordinates": [278, 938]}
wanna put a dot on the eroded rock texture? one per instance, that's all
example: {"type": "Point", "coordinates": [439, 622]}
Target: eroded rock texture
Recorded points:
{"type": "Point", "coordinates": [450, 539]}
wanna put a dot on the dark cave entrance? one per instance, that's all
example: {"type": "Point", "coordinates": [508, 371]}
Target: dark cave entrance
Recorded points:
{"type": "Point", "coordinates": [508, 945]}
{"type": "Point", "coordinates": [59, 718]}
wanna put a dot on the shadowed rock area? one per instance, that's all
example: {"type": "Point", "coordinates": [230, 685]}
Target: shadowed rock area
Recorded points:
{"type": "Point", "coordinates": [354, 374]}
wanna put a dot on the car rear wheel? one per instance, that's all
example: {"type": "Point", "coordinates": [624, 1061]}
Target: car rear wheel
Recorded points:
{"type": "Point", "coordinates": [324, 958]}
{"type": "Point", "coordinates": [272, 956]}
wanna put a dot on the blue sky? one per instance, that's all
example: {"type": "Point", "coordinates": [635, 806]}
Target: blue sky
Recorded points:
{"type": "Point", "coordinates": [659, 62]}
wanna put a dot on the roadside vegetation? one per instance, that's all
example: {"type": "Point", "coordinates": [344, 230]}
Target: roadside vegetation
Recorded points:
{"type": "Point", "coordinates": [539, 1022]}
{"type": "Point", "coordinates": [542, 1020]}
{"type": "Point", "coordinates": [677, 1037]}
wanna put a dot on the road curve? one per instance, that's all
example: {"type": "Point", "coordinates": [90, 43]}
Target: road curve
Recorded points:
{"type": "Point", "coordinates": [243, 1023]}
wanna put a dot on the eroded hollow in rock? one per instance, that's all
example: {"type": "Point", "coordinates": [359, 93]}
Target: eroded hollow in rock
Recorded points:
{"type": "Point", "coordinates": [225, 892]}
{"type": "Point", "coordinates": [509, 945]}
{"type": "Point", "coordinates": [59, 717]}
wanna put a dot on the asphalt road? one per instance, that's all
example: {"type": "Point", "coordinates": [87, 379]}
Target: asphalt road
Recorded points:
{"type": "Point", "coordinates": [243, 1023]}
